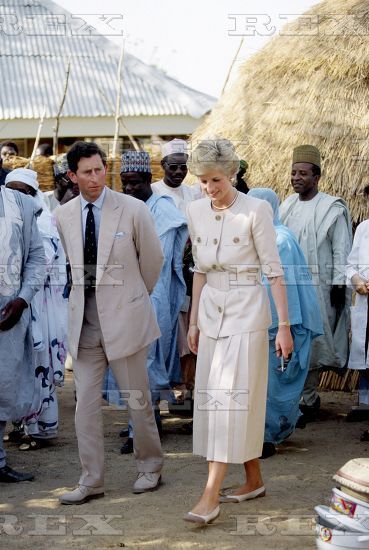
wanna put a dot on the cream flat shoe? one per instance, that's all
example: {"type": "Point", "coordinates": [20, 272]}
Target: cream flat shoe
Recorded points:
{"type": "Point", "coordinates": [247, 496]}
{"type": "Point", "coordinates": [196, 518]}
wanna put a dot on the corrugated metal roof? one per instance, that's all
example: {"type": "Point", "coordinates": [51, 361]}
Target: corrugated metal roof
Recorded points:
{"type": "Point", "coordinates": [33, 64]}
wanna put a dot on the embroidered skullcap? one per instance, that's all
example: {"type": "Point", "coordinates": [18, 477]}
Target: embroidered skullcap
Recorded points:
{"type": "Point", "coordinates": [306, 153]}
{"type": "Point", "coordinates": [61, 165]}
{"type": "Point", "coordinates": [135, 161]}
{"type": "Point", "coordinates": [174, 147]}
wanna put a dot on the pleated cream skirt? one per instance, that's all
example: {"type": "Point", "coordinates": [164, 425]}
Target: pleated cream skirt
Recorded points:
{"type": "Point", "coordinates": [230, 397]}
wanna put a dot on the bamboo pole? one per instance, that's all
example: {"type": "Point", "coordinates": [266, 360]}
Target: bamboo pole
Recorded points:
{"type": "Point", "coordinates": [121, 121]}
{"type": "Point", "coordinates": [61, 105]}
{"type": "Point", "coordinates": [232, 65]}
{"type": "Point", "coordinates": [37, 140]}
{"type": "Point", "coordinates": [118, 88]}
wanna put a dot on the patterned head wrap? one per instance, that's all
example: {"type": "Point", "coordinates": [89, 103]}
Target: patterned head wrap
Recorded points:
{"type": "Point", "coordinates": [61, 165]}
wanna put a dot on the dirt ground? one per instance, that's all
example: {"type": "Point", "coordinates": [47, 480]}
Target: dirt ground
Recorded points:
{"type": "Point", "coordinates": [297, 479]}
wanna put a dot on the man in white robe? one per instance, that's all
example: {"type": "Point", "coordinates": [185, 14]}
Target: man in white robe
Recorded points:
{"type": "Point", "coordinates": [174, 163]}
{"type": "Point", "coordinates": [22, 271]}
{"type": "Point", "coordinates": [322, 226]}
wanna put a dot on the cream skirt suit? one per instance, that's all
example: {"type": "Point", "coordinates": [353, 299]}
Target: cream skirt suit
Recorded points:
{"type": "Point", "coordinates": [232, 248]}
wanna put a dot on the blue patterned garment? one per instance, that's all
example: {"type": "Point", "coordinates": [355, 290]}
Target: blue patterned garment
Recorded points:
{"type": "Point", "coordinates": [167, 297]}
{"type": "Point", "coordinates": [285, 388]}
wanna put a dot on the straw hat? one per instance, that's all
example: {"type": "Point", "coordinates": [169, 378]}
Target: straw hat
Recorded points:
{"type": "Point", "coordinates": [355, 475]}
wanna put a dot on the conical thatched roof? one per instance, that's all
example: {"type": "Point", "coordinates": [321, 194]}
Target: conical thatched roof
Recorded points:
{"type": "Point", "coordinates": [305, 86]}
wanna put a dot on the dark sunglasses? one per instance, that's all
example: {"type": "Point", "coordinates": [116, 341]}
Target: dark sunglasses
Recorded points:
{"type": "Point", "coordinates": [174, 167]}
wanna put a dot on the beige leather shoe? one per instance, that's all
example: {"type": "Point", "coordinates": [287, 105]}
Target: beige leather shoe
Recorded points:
{"type": "Point", "coordinates": [81, 494]}
{"type": "Point", "coordinates": [146, 482]}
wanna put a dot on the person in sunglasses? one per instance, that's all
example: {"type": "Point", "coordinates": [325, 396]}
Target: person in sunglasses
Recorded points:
{"type": "Point", "coordinates": [174, 163]}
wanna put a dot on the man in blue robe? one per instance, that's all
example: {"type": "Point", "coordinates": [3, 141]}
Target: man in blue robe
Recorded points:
{"type": "Point", "coordinates": [163, 363]}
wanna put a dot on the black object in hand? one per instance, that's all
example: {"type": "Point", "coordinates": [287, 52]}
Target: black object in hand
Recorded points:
{"type": "Point", "coordinates": [338, 296]}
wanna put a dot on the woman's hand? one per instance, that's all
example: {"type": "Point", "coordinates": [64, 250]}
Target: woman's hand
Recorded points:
{"type": "Point", "coordinates": [284, 342]}
{"type": "Point", "coordinates": [193, 338]}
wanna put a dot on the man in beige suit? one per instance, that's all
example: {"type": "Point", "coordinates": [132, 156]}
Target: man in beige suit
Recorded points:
{"type": "Point", "coordinates": [116, 259]}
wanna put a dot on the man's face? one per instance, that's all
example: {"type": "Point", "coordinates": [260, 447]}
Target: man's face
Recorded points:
{"type": "Point", "coordinates": [175, 168]}
{"type": "Point", "coordinates": [303, 180]}
{"type": "Point", "coordinates": [90, 177]}
{"type": "Point", "coordinates": [7, 152]}
{"type": "Point", "coordinates": [22, 188]}
{"type": "Point", "coordinates": [135, 184]}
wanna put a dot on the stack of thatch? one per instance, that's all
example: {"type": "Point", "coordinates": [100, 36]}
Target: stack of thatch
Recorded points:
{"type": "Point", "coordinates": [42, 165]}
{"type": "Point", "coordinates": [305, 86]}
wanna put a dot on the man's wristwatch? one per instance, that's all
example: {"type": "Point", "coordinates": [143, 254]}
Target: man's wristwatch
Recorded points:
{"type": "Point", "coordinates": [284, 324]}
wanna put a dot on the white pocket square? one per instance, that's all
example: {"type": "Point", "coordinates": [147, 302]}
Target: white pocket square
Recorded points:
{"type": "Point", "coordinates": [119, 234]}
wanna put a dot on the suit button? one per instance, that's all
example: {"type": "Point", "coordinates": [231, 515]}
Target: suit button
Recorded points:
{"type": "Point", "coordinates": [215, 241]}
{"type": "Point", "coordinates": [220, 309]}
{"type": "Point", "coordinates": [218, 217]}
{"type": "Point", "coordinates": [198, 239]}
{"type": "Point", "coordinates": [236, 240]}
{"type": "Point", "coordinates": [119, 307]}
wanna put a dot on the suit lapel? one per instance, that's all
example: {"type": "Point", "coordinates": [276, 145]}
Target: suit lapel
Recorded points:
{"type": "Point", "coordinates": [75, 235]}
{"type": "Point", "coordinates": [110, 215]}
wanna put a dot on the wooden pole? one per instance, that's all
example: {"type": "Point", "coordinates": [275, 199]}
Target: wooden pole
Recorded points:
{"type": "Point", "coordinates": [121, 121]}
{"type": "Point", "coordinates": [118, 88]}
{"type": "Point", "coordinates": [61, 105]}
{"type": "Point", "coordinates": [232, 65]}
{"type": "Point", "coordinates": [37, 140]}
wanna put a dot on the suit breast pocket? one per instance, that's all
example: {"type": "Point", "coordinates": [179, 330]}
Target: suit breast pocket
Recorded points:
{"type": "Point", "coordinates": [122, 241]}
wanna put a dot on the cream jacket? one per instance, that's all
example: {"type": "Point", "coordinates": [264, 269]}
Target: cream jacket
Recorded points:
{"type": "Point", "coordinates": [129, 261]}
{"type": "Point", "coordinates": [233, 248]}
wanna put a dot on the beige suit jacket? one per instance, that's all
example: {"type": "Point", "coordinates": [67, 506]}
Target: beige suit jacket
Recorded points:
{"type": "Point", "coordinates": [129, 262]}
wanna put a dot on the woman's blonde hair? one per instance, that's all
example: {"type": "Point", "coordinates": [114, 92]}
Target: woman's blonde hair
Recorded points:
{"type": "Point", "coordinates": [210, 154]}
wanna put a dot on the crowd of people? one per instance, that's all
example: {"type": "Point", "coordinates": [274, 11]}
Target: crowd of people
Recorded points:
{"type": "Point", "coordinates": [128, 286]}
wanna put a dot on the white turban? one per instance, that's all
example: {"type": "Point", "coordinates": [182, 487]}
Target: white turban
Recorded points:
{"type": "Point", "coordinates": [23, 175]}
{"type": "Point", "coordinates": [174, 147]}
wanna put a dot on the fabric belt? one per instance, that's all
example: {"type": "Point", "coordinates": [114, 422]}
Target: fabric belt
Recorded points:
{"type": "Point", "coordinates": [223, 280]}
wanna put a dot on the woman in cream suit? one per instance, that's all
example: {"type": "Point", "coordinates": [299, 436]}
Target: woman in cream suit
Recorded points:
{"type": "Point", "coordinates": [357, 272]}
{"type": "Point", "coordinates": [234, 242]}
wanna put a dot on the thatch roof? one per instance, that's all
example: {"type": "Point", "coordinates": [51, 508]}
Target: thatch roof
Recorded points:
{"type": "Point", "coordinates": [305, 87]}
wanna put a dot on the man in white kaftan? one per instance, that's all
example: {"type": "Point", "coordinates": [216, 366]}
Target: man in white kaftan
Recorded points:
{"type": "Point", "coordinates": [322, 226]}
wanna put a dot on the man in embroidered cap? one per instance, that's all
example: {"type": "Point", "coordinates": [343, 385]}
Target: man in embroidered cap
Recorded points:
{"type": "Point", "coordinates": [322, 226]}
{"type": "Point", "coordinates": [65, 190]}
{"type": "Point", "coordinates": [174, 163]}
{"type": "Point", "coordinates": [167, 297]}
{"type": "Point", "coordinates": [22, 262]}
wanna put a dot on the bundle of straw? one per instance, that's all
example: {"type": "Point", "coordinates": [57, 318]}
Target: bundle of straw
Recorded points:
{"type": "Point", "coordinates": [332, 381]}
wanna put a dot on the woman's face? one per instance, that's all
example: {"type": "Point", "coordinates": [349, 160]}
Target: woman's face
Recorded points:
{"type": "Point", "coordinates": [216, 185]}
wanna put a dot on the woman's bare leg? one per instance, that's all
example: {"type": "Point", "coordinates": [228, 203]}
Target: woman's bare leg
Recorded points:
{"type": "Point", "coordinates": [210, 497]}
{"type": "Point", "coordinates": [253, 477]}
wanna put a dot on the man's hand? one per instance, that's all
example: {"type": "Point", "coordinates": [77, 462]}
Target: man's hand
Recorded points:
{"type": "Point", "coordinates": [338, 296]}
{"type": "Point", "coordinates": [11, 313]}
{"type": "Point", "coordinates": [361, 286]}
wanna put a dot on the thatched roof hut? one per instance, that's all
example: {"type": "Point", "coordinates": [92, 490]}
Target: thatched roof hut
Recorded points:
{"type": "Point", "coordinates": [307, 85]}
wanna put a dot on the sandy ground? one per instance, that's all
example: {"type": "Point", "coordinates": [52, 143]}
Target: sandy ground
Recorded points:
{"type": "Point", "coordinates": [297, 479]}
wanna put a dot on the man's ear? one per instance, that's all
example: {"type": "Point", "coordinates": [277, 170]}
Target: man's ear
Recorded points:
{"type": "Point", "coordinates": [162, 163]}
{"type": "Point", "coordinates": [72, 176]}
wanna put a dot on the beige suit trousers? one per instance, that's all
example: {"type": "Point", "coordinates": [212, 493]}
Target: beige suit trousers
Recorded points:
{"type": "Point", "coordinates": [131, 376]}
